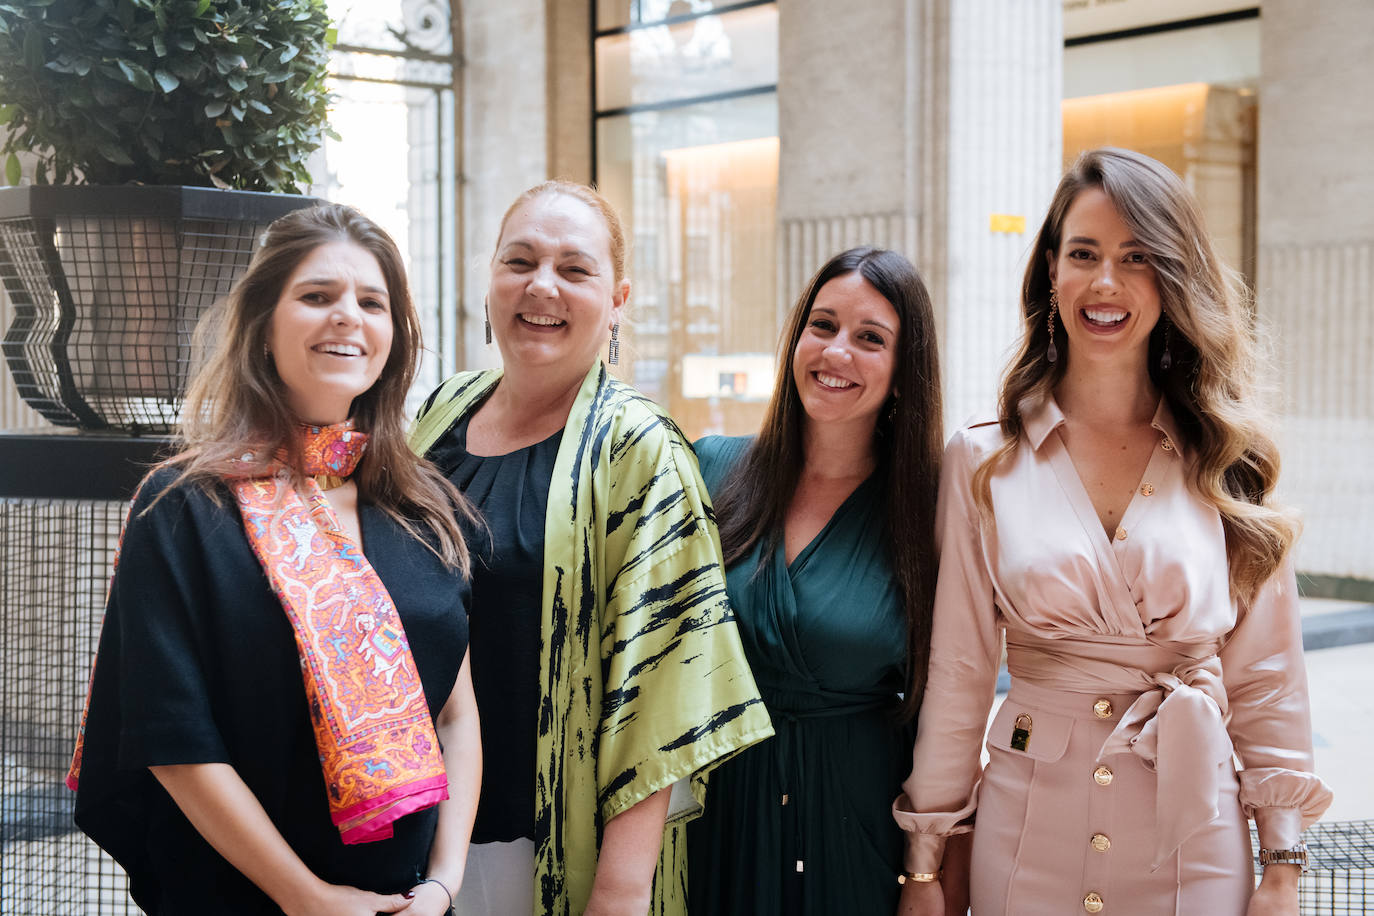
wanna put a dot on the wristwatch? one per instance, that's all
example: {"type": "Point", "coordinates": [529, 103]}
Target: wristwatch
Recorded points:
{"type": "Point", "coordinates": [1297, 855]}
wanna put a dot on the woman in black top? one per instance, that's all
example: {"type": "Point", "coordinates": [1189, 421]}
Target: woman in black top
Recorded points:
{"type": "Point", "coordinates": [268, 666]}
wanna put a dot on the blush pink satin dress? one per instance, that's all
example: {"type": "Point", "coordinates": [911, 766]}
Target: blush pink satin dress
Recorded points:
{"type": "Point", "coordinates": [1137, 683]}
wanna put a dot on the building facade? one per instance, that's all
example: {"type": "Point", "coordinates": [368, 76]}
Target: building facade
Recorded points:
{"type": "Point", "coordinates": [746, 142]}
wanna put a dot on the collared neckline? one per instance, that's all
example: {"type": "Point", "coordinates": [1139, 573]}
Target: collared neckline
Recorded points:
{"type": "Point", "coordinates": [1164, 422]}
{"type": "Point", "coordinates": [1041, 418]}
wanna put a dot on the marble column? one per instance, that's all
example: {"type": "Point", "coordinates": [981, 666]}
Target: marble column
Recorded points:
{"type": "Point", "coordinates": [909, 125]}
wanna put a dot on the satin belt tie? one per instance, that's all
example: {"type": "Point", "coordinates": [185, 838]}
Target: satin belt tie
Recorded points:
{"type": "Point", "coordinates": [1176, 726]}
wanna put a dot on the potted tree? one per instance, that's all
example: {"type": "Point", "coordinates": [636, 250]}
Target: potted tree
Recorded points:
{"type": "Point", "coordinates": [164, 135]}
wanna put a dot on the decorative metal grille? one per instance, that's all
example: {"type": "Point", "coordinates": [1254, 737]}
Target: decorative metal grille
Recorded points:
{"type": "Point", "coordinates": [57, 556]}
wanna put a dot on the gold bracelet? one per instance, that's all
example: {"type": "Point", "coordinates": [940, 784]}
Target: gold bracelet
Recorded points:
{"type": "Point", "coordinates": [920, 877]}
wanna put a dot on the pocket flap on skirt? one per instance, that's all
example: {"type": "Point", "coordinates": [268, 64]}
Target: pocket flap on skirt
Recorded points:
{"type": "Point", "coordinates": [1039, 734]}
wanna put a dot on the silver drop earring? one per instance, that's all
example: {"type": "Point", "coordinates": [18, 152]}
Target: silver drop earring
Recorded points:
{"type": "Point", "coordinates": [613, 357]}
{"type": "Point", "coordinates": [486, 312]}
{"type": "Point", "coordinates": [1166, 359]}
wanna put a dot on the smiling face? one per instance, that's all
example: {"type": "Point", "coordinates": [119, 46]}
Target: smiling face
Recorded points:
{"type": "Point", "coordinates": [553, 294]}
{"type": "Point", "coordinates": [845, 358]}
{"type": "Point", "coordinates": [330, 333]}
{"type": "Point", "coordinates": [1108, 293]}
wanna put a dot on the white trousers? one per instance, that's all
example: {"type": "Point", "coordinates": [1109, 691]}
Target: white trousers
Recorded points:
{"type": "Point", "coordinates": [499, 880]}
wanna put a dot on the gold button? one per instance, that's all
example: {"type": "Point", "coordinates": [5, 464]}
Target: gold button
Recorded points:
{"type": "Point", "coordinates": [1100, 842]}
{"type": "Point", "coordinates": [1103, 776]}
{"type": "Point", "coordinates": [1120, 533]}
{"type": "Point", "coordinates": [1147, 489]}
{"type": "Point", "coordinates": [1102, 708]}
{"type": "Point", "coordinates": [1093, 903]}
{"type": "Point", "coordinates": [1166, 444]}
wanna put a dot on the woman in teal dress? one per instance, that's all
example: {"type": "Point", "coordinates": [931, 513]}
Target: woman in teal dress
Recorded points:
{"type": "Point", "coordinates": [827, 525]}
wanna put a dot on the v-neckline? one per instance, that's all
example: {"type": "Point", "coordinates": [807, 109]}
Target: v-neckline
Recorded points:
{"type": "Point", "coordinates": [1107, 546]}
{"type": "Point", "coordinates": [813, 544]}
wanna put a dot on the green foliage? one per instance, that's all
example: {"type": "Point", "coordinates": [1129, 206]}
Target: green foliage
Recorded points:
{"type": "Point", "coordinates": [228, 93]}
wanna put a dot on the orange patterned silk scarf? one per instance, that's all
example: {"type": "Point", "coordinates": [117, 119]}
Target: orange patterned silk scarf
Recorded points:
{"type": "Point", "coordinates": [378, 749]}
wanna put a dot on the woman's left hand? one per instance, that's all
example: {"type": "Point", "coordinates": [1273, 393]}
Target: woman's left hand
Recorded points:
{"type": "Point", "coordinates": [1277, 894]}
{"type": "Point", "coordinates": [428, 899]}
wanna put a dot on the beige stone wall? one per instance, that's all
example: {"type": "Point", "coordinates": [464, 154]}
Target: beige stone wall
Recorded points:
{"type": "Point", "coordinates": [1315, 286]}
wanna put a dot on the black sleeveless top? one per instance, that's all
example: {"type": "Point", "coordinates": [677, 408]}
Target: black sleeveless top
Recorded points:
{"type": "Point", "coordinates": [512, 493]}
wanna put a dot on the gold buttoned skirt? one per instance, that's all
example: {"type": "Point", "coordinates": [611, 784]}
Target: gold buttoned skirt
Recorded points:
{"type": "Point", "coordinates": [1061, 830]}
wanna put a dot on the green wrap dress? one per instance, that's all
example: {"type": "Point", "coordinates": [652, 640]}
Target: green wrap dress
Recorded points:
{"type": "Point", "coordinates": [802, 823]}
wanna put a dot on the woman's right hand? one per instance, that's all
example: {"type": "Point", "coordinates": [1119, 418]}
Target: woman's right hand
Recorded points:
{"type": "Point", "coordinates": [227, 813]}
{"type": "Point", "coordinates": [921, 898]}
{"type": "Point", "coordinates": [341, 900]}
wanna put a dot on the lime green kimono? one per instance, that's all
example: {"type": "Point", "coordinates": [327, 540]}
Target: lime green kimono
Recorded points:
{"type": "Point", "coordinates": [643, 680]}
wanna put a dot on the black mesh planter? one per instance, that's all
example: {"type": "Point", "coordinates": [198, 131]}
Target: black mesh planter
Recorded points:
{"type": "Point", "coordinates": [107, 284]}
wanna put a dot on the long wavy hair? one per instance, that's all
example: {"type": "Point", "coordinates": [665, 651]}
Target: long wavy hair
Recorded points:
{"type": "Point", "coordinates": [908, 444]}
{"type": "Point", "coordinates": [1212, 386]}
{"type": "Point", "coordinates": [236, 401]}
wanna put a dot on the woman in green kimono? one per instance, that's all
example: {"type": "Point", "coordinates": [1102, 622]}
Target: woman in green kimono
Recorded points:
{"type": "Point", "coordinates": [606, 662]}
{"type": "Point", "coordinates": [827, 522]}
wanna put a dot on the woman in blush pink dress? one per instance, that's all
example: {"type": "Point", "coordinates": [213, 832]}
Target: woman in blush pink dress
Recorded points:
{"type": "Point", "coordinates": [1116, 522]}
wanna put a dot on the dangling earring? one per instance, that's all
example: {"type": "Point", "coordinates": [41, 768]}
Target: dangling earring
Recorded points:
{"type": "Point", "coordinates": [1052, 352]}
{"type": "Point", "coordinates": [486, 312]}
{"type": "Point", "coordinates": [614, 356]}
{"type": "Point", "coordinates": [1166, 359]}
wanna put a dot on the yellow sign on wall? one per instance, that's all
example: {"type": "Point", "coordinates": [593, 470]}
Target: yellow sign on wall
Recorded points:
{"type": "Point", "coordinates": [1006, 222]}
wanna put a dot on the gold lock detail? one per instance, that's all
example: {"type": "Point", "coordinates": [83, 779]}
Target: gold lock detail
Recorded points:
{"type": "Point", "coordinates": [1021, 732]}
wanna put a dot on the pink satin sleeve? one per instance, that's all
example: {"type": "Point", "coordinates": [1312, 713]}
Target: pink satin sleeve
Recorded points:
{"type": "Point", "coordinates": [1271, 719]}
{"type": "Point", "coordinates": [965, 650]}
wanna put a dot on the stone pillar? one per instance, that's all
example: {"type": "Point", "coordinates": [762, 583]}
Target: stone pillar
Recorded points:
{"type": "Point", "coordinates": [908, 125]}
{"type": "Point", "coordinates": [570, 89]}
{"type": "Point", "coordinates": [505, 136]}
{"type": "Point", "coordinates": [1004, 151]}
{"type": "Point", "coordinates": [1315, 288]}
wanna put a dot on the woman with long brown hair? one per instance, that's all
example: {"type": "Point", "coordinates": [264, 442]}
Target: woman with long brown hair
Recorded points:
{"type": "Point", "coordinates": [1117, 522]}
{"type": "Point", "coordinates": [827, 526]}
{"type": "Point", "coordinates": [281, 716]}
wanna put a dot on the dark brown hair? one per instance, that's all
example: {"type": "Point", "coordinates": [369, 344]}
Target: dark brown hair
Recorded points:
{"type": "Point", "coordinates": [1211, 387]}
{"type": "Point", "coordinates": [236, 402]}
{"type": "Point", "coordinates": [909, 441]}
